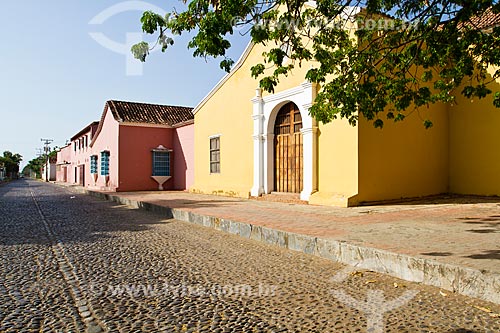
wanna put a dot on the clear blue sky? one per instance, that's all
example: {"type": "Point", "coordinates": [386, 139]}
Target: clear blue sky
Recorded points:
{"type": "Point", "coordinates": [55, 78]}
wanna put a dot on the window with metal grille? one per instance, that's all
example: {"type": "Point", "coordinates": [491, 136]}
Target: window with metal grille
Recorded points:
{"type": "Point", "coordinates": [215, 155]}
{"type": "Point", "coordinates": [104, 163]}
{"type": "Point", "coordinates": [161, 163]}
{"type": "Point", "coordinates": [93, 164]}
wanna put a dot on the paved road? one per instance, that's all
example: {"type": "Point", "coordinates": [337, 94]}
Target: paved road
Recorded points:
{"type": "Point", "coordinates": [72, 263]}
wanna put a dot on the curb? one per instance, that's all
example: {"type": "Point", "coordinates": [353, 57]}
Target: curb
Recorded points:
{"type": "Point", "coordinates": [465, 281]}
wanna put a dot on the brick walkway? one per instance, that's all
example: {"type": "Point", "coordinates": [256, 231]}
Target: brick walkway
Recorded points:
{"type": "Point", "coordinates": [463, 231]}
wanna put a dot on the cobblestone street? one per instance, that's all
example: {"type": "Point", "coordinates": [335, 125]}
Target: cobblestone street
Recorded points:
{"type": "Point", "coordinates": [73, 263]}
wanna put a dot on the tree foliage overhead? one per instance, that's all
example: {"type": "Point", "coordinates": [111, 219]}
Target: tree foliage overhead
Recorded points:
{"type": "Point", "coordinates": [379, 58]}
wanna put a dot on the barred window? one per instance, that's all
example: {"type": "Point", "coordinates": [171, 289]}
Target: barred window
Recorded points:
{"type": "Point", "coordinates": [215, 155]}
{"type": "Point", "coordinates": [161, 163]}
{"type": "Point", "coordinates": [93, 164]}
{"type": "Point", "coordinates": [104, 163]}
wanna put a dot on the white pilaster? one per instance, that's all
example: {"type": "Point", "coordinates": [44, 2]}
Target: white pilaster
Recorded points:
{"type": "Point", "coordinates": [258, 149]}
{"type": "Point", "coordinates": [268, 163]}
{"type": "Point", "coordinates": [310, 178]}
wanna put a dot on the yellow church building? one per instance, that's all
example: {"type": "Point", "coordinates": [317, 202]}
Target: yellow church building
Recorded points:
{"type": "Point", "coordinates": [251, 143]}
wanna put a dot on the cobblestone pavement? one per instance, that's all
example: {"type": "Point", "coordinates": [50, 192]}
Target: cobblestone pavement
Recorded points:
{"type": "Point", "coordinates": [72, 263]}
{"type": "Point", "coordinates": [457, 230]}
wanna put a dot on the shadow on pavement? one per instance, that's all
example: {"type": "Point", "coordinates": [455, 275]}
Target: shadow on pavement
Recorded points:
{"type": "Point", "coordinates": [71, 217]}
{"type": "Point", "coordinates": [441, 199]}
{"type": "Point", "coordinates": [489, 254]}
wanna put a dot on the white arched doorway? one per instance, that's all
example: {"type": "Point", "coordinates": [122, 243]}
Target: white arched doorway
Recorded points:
{"type": "Point", "coordinates": [265, 111]}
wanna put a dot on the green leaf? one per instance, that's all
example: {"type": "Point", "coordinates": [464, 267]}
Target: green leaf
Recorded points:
{"type": "Point", "coordinates": [399, 117]}
{"type": "Point", "coordinates": [226, 64]}
{"type": "Point", "coordinates": [379, 123]}
{"type": "Point", "coordinates": [140, 51]}
{"type": "Point", "coordinates": [420, 58]}
{"type": "Point", "coordinates": [496, 99]}
{"type": "Point", "coordinates": [257, 70]}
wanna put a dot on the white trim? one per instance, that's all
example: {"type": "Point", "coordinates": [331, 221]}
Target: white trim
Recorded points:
{"type": "Point", "coordinates": [215, 136]}
{"type": "Point", "coordinates": [226, 77]}
{"type": "Point", "coordinates": [264, 115]}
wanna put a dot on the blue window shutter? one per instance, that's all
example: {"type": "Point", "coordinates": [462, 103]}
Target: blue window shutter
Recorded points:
{"type": "Point", "coordinates": [161, 163]}
{"type": "Point", "coordinates": [93, 164]}
{"type": "Point", "coordinates": [104, 163]}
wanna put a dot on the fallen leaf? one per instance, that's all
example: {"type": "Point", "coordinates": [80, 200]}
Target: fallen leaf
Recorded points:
{"type": "Point", "coordinates": [357, 273]}
{"type": "Point", "coordinates": [443, 294]}
{"type": "Point", "coordinates": [370, 281]}
{"type": "Point", "coordinates": [483, 309]}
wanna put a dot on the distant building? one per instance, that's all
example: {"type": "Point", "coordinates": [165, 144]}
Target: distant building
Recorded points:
{"type": "Point", "coordinates": [2, 171]}
{"type": "Point", "coordinates": [63, 164]}
{"type": "Point", "coordinates": [49, 169]}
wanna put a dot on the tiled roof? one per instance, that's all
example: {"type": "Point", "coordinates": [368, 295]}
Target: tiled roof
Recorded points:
{"type": "Point", "coordinates": [487, 20]}
{"type": "Point", "coordinates": [89, 128]}
{"type": "Point", "coordinates": [133, 112]}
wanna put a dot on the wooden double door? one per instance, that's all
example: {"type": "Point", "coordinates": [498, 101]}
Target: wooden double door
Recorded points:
{"type": "Point", "coordinates": [288, 152]}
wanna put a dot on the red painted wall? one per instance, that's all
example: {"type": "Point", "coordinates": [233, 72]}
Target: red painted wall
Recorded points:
{"type": "Point", "coordinates": [135, 157]}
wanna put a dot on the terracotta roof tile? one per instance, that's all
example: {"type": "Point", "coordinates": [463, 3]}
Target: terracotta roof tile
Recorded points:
{"type": "Point", "coordinates": [92, 127]}
{"type": "Point", "coordinates": [149, 113]}
{"type": "Point", "coordinates": [487, 20]}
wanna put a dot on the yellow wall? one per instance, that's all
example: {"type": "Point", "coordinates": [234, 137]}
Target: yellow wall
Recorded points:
{"type": "Point", "coordinates": [404, 159]}
{"type": "Point", "coordinates": [337, 164]}
{"type": "Point", "coordinates": [474, 146]}
{"type": "Point", "coordinates": [228, 113]}
{"type": "Point", "coordinates": [459, 154]}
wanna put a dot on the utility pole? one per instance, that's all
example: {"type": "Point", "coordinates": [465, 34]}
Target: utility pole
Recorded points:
{"type": "Point", "coordinates": [46, 149]}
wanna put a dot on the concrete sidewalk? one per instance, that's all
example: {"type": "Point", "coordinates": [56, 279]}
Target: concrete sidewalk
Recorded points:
{"type": "Point", "coordinates": [449, 242]}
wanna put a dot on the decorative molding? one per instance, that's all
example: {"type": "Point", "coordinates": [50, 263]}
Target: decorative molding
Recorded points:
{"type": "Point", "coordinates": [215, 136]}
{"type": "Point", "coordinates": [307, 106]}
{"type": "Point", "coordinates": [309, 130]}
{"type": "Point", "coordinates": [264, 116]}
{"type": "Point", "coordinates": [258, 137]}
{"type": "Point", "coordinates": [162, 149]}
{"type": "Point", "coordinates": [283, 95]}
{"type": "Point", "coordinates": [268, 137]}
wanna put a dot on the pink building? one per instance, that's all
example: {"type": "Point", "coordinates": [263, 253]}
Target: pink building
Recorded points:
{"type": "Point", "coordinates": [63, 163]}
{"type": "Point", "coordinates": [134, 147]}
{"type": "Point", "coordinates": [72, 159]}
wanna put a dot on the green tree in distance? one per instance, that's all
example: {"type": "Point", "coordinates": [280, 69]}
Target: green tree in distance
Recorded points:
{"type": "Point", "coordinates": [405, 54]}
{"type": "Point", "coordinates": [10, 162]}
{"type": "Point", "coordinates": [35, 166]}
